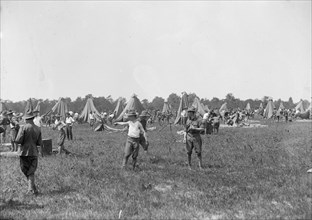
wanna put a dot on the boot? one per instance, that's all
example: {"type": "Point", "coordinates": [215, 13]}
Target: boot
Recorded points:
{"type": "Point", "coordinates": [134, 163]}
{"type": "Point", "coordinates": [31, 185]}
{"type": "Point", "coordinates": [124, 162]}
{"type": "Point", "coordinates": [189, 159]}
{"type": "Point", "coordinates": [200, 163]}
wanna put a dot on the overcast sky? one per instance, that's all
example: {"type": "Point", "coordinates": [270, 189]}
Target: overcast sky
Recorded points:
{"type": "Point", "coordinates": [55, 49]}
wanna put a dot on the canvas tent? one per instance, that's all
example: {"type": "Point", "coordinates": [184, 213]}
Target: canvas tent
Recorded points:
{"type": "Point", "coordinates": [205, 107]}
{"type": "Point", "coordinates": [85, 114]}
{"type": "Point", "coordinates": [199, 108]}
{"type": "Point", "coordinates": [135, 104]}
{"type": "Point", "coordinates": [37, 108]}
{"type": "Point", "coordinates": [223, 107]}
{"type": "Point", "coordinates": [166, 108]}
{"type": "Point", "coordinates": [60, 108]}
{"type": "Point", "coordinates": [299, 107]}
{"type": "Point", "coordinates": [261, 106]}
{"type": "Point", "coordinates": [183, 105]}
{"type": "Point", "coordinates": [281, 106]}
{"type": "Point", "coordinates": [268, 111]}
{"type": "Point", "coordinates": [248, 107]}
{"type": "Point", "coordinates": [306, 114]}
{"type": "Point", "coordinates": [117, 111]}
{"type": "Point", "coordinates": [29, 106]}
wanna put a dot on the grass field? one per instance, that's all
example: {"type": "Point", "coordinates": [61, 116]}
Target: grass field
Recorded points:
{"type": "Point", "coordinates": [257, 173]}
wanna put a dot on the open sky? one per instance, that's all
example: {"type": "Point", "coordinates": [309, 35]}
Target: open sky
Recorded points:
{"type": "Point", "coordinates": [53, 49]}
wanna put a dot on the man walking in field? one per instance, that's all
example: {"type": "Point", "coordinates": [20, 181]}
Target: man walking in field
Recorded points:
{"type": "Point", "coordinates": [192, 138]}
{"type": "Point", "coordinates": [29, 137]}
{"type": "Point", "coordinates": [133, 140]}
{"type": "Point", "coordinates": [61, 137]}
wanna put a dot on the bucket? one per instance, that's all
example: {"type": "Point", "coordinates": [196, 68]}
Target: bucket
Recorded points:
{"type": "Point", "coordinates": [47, 147]}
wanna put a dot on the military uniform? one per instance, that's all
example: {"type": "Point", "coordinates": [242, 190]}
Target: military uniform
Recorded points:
{"type": "Point", "coordinates": [29, 137]}
{"type": "Point", "coordinates": [193, 128]}
{"type": "Point", "coordinates": [193, 138]}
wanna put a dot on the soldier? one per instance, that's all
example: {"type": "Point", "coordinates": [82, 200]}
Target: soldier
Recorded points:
{"type": "Point", "coordinates": [29, 137]}
{"type": "Point", "coordinates": [192, 138]}
{"type": "Point", "coordinates": [133, 140]}
{"type": "Point", "coordinates": [4, 122]}
{"type": "Point", "coordinates": [14, 126]}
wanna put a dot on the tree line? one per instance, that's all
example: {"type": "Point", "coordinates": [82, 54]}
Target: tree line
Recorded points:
{"type": "Point", "coordinates": [106, 104]}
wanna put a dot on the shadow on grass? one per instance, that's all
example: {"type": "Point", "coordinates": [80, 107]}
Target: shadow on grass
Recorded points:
{"type": "Point", "coordinates": [12, 204]}
{"type": "Point", "coordinates": [63, 190]}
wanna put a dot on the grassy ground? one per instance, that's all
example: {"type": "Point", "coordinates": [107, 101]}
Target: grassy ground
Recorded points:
{"type": "Point", "coordinates": [257, 173]}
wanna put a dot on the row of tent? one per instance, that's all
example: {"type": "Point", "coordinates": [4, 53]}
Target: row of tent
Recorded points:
{"type": "Point", "coordinates": [61, 108]}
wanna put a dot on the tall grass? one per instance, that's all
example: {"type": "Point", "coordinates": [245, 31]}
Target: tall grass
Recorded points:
{"type": "Point", "coordinates": [257, 173]}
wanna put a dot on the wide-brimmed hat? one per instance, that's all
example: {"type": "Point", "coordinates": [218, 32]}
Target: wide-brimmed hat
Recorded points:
{"type": "Point", "coordinates": [144, 114]}
{"type": "Point", "coordinates": [191, 109]}
{"type": "Point", "coordinates": [29, 115]}
{"type": "Point", "coordinates": [131, 113]}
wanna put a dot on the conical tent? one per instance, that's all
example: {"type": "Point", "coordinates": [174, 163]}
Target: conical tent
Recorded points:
{"type": "Point", "coordinates": [281, 106]}
{"type": "Point", "coordinates": [38, 107]}
{"type": "Point", "coordinates": [183, 105]}
{"type": "Point", "coordinates": [29, 106]}
{"type": "Point", "coordinates": [223, 107]}
{"type": "Point", "coordinates": [299, 107]}
{"type": "Point", "coordinates": [248, 107]}
{"type": "Point", "coordinates": [166, 108]}
{"type": "Point", "coordinates": [60, 108]}
{"type": "Point", "coordinates": [117, 111]}
{"type": "Point", "coordinates": [3, 107]}
{"type": "Point", "coordinates": [84, 116]}
{"type": "Point", "coordinates": [268, 112]}
{"type": "Point", "coordinates": [135, 104]}
{"type": "Point", "coordinates": [261, 106]}
{"type": "Point", "coordinates": [198, 106]}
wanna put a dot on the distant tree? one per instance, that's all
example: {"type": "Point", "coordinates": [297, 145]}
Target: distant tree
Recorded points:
{"type": "Point", "coordinates": [174, 100]}
{"type": "Point", "coordinates": [88, 96]}
{"type": "Point", "coordinates": [102, 104]}
{"type": "Point", "coordinates": [145, 103]}
{"type": "Point", "coordinates": [191, 97]}
{"type": "Point", "coordinates": [110, 99]}
{"type": "Point", "coordinates": [290, 103]}
{"type": "Point", "coordinates": [157, 103]}
{"type": "Point", "coordinates": [229, 97]}
{"type": "Point", "coordinates": [215, 103]}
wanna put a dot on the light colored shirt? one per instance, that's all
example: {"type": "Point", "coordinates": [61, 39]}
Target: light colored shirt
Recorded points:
{"type": "Point", "coordinates": [91, 116]}
{"type": "Point", "coordinates": [135, 128]}
{"type": "Point", "coordinates": [205, 116]}
{"type": "Point", "coordinates": [56, 121]}
{"type": "Point", "coordinates": [38, 121]}
{"type": "Point", "coordinates": [69, 120]}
